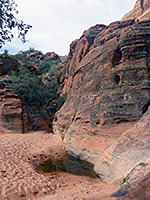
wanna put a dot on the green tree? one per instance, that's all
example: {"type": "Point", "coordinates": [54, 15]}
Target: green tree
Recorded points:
{"type": "Point", "coordinates": [47, 66]}
{"type": "Point", "coordinates": [5, 53]}
{"type": "Point", "coordinates": [8, 22]}
{"type": "Point", "coordinates": [36, 95]}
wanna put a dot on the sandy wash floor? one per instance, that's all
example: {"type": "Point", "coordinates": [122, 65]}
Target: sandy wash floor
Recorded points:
{"type": "Point", "coordinates": [19, 156]}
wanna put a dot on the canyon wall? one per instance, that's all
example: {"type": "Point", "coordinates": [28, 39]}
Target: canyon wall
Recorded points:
{"type": "Point", "coordinates": [107, 82]}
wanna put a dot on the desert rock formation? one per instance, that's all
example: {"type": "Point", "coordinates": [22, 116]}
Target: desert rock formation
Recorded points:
{"type": "Point", "coordinates": [107, 84]}
{"type": "Point", "coordinates": [107, 81]}
{"type": "Point", "coordinates": [105, 119]}
{"type": "Point", "coordinates": [130, 149]}
{"type": "Point", "coordinates": [141, 11]}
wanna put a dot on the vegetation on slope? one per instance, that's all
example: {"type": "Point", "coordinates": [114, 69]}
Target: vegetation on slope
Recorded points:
{"type": "Point", "coordinates": [37, 83]}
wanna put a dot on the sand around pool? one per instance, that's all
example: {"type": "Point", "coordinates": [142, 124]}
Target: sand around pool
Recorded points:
{"type": "Point", "coordinates": [19, 156]}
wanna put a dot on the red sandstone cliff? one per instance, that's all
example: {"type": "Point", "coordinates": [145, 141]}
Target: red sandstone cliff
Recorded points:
{"type": "Point", "coordinates": [107, 81]}
{"type": "Point", "coordinates": [141, 11]}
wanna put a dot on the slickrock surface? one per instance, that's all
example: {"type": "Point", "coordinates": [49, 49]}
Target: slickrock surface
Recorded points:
{"type": "Point", "coordinates": [129, 150]}
{"type": "Point", "coordinates": [136, 185]}
{"type": "Point", "coordinates": [20, 153]}
{"type": "Point", "coordinates": [141, 190]}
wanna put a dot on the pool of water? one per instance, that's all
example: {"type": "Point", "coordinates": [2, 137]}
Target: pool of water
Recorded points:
{"type": "Point", "coordinates": [68, 164]}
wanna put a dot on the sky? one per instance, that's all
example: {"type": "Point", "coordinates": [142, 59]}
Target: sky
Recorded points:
{"type": "Point", "coordinates": [56, 23]}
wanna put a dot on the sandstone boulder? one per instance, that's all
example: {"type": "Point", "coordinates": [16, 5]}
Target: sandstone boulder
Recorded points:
{"type": "Point", "coordinates": [35, 54]}
{"type": "Point", "coordinates": [49, 56]}
{"type": "Point", "coordinates": [141, 192]}
{"type": "Point", "coordinates": [53, 57]}
{"type": "Point", "coordinates": [130, 149]}
{"type": "Point", "coordinates": [136, 184]}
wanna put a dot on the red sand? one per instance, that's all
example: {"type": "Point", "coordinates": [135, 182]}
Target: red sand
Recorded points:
{"type": "Point", "coordinates": [19, 156]}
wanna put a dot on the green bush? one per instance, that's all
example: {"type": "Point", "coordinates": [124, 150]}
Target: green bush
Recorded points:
{"type": "Point", "coordinates": [47, 67]}
{"type": "Point", "coordinates": [36, 95]}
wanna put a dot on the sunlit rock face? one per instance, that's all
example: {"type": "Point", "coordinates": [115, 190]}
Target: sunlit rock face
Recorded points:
{"type": "Point", "coordinates": [107, 79]}
{"type": "Point", "coordinates": [141, 11]}
{"type": "Point", "coordinates": [49, 56]}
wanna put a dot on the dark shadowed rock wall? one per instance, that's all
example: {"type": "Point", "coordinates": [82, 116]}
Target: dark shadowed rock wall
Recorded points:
{"type": "Point", "coordinates": [10, 103]}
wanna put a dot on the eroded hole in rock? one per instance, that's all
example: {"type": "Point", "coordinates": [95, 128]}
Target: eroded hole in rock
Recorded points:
{"type": "Point", "coordinates": [145, 107]}
{"type": "Point", "coordinates": [98, 122]}
{"type": "Point", "coordinates": [68, 164]}
{"type": "Point", "coordinates": [119, 120]}
{"type": "Point", "coordinates": [2, 86]}
{"type": "Point", "coordinates": [117, 79]}
{"type": "Point", "coordinates": [78, 118]}
{"type": "Point", "coordinates": [87, 122]}
{"type": "Point", "coordinates": [116, 57]}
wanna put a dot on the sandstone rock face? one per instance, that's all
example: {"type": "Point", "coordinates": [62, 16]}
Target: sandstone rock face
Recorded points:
{"type": "Point", "coordinates": [10, 107]}
{"type": "Point", "coordinates": [50, 56]}
{"type": "Point", "coordinates": [10, 103]}
{"type": "Point", "coordinates": [141, 11]}
{"type": "Point", "coordinates": [136, 185]}
{"type": "Point", "coordinates": [13, 113]}
{"type": "Point", "coordinates": [140, 192]}
{"type": "Point", "coordinates": [106, 79]}
{"type": "Point", "coordinates": [130, 149]}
